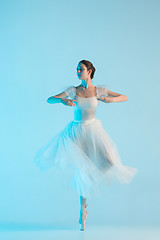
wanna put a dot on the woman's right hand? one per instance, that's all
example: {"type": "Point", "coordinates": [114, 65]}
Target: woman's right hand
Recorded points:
{"type": "Point", "coordinates": [68, 102]}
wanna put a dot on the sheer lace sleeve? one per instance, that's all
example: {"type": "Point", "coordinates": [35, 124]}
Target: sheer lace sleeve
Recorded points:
{"type": "Point", "coordinates": [70, 92]}
{"type": "Point", "coordinates": [102, 91]}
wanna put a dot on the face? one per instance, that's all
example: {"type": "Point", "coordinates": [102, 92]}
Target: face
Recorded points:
{"type": "Point", "coordinates": [82, 71]}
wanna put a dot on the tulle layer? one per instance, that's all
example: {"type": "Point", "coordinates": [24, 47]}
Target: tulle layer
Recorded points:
{"type": "Point", "coordinates": [87, 148]}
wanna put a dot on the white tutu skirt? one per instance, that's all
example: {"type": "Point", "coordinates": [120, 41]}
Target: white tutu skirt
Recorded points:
{"type": "Point", "coordinates": [86, 148]}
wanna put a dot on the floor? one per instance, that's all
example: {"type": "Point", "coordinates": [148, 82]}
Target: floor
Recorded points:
{"type": "Point", "coordinates": [90, 233]}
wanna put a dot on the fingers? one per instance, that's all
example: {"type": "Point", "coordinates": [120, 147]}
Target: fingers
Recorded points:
{"type": "Point", "coordinates": [101, 99]}
{"type": "Point", "coordinates": [72, 103]}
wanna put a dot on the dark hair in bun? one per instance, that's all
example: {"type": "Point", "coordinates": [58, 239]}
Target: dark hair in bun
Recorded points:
{"type": "Point", "coordinates": [89, 66]}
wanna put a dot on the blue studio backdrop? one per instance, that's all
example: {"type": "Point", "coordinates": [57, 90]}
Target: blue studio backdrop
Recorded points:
{"type": "Point", "coordinates": [41, 44]}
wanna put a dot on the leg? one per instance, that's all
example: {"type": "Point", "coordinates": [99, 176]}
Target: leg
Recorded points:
{"type": "Point", "coordinates": [83, 213]}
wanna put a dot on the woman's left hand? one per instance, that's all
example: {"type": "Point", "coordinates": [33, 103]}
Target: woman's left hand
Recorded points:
{"type": "Point", "coordinates": [105, 99]}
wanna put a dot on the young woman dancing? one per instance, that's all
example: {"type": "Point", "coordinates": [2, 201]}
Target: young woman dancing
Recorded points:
{"type": "Point", "coordinates": [84, 145]}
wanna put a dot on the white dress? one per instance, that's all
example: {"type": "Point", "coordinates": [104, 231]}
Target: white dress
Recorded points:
{"type": "Point", "coordinates": [85, 147]}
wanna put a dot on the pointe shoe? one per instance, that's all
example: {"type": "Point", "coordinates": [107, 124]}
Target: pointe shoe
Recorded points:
{"type": "Point", "coordinates": [82, 219]}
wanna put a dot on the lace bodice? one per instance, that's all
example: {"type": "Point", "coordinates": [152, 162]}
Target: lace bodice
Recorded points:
{"type": "Point", "coordinates": [85, 108]}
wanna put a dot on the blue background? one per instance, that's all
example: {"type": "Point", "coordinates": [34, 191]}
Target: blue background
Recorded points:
{"type": "Point", "coordinates": [41, 44]}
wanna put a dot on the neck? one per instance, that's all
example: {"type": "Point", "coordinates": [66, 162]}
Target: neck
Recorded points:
{"type": "Point", "coordinates": [86, 83]}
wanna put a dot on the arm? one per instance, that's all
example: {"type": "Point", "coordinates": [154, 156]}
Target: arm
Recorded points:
{"type": "Point", "coordinates": [57, 98]}
{"type": "Point", "coordinates": [117, 98]}
{"type": "Point", "coordinates": [61, 98]}
{"type": "Point", "coordinates": [114, 97]}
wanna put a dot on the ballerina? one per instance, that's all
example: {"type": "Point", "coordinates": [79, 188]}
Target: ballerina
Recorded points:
{"type": "Point", "coordinates": [84, 145]}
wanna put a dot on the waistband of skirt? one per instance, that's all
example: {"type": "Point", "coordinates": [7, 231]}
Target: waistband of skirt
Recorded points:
{"type": "Point", "coordinates": [85, 121]}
